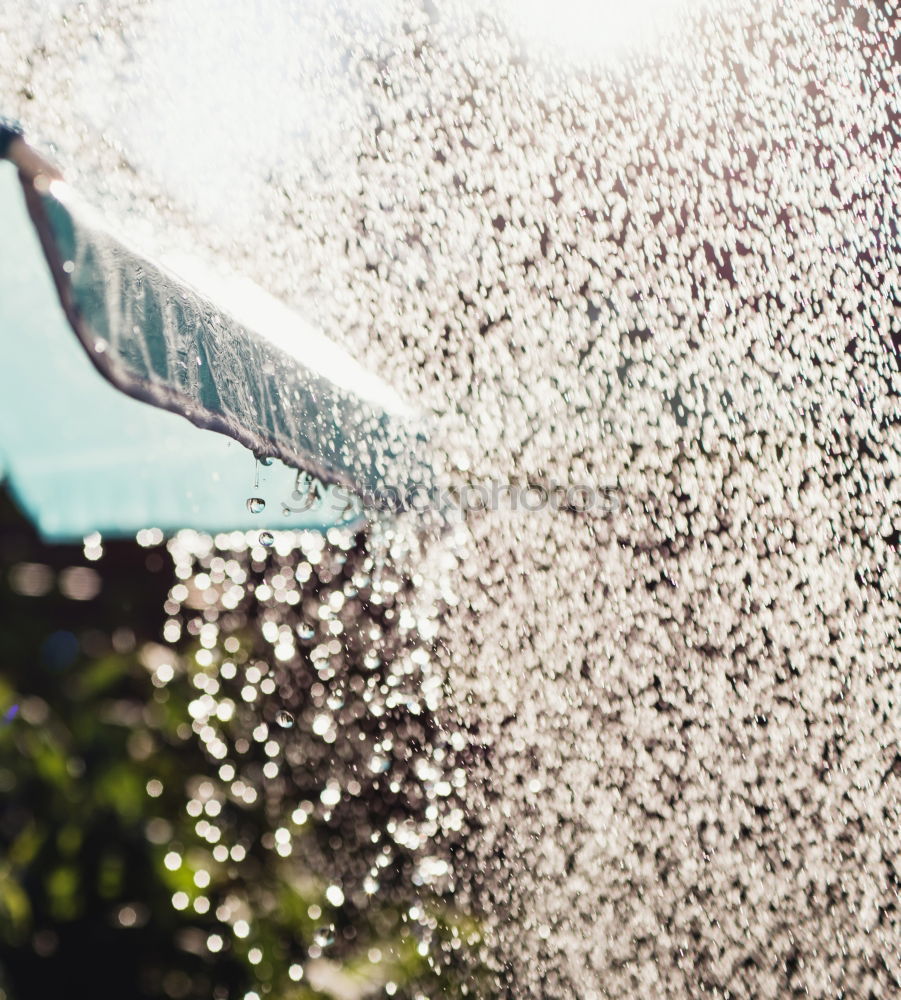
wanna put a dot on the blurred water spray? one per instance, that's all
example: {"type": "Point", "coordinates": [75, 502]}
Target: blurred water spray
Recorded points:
{"type": "Point", "coordinates": [675, 270]}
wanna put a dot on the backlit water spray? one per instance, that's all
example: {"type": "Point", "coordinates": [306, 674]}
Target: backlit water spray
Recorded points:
{"type": "Point", "coordinates": [656, 751]}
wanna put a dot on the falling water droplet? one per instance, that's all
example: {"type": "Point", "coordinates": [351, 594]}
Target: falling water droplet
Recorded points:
{"type": "Point", "coordinates": [256, 505]}
{"type": "Point", "coordinates": [324, 936]}
{"type": "Point", "coordinates": [305, 632]}
{"type": "Point", "coordinates": [267, 538]}
{"type": "Point", "coordinates": [285, 719]}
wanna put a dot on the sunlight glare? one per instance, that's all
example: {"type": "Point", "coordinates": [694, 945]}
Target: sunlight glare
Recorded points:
{"type": "Point", "coordinates": [594, 28]}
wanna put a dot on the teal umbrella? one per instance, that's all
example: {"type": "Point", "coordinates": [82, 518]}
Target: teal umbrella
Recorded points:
{"type": "Point", "coordinates": [255, 420]}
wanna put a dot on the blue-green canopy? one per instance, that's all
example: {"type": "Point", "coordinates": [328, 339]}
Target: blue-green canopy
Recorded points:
{"type": "Point", "coordinates": [81, 449]}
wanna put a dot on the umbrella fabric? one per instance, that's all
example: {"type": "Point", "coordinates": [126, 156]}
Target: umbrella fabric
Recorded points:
{"type": "Point", "coordinates": [82, 456]}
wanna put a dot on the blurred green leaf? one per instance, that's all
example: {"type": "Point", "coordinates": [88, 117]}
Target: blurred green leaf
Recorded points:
{"type": "Point", "coordinates": [97, 677]}
{"type": "Point", "coordinates": [62, 889]}
{"type": "Point", "coordinates": [15, 909]}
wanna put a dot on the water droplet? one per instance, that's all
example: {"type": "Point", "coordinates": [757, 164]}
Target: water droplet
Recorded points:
{"type": "Point", "coordinates": [324, 936]}
{"type": "Point", "coordinates": [266, 460]}
{"type": "Point", "coordinates": [285, 719]}
{"type": "Point", "coordinates": [256, 505]}
{"type": "Point", "coordinates": [100, 345]}
{"type": "Point", "coordinates": [267, 538]}
{"type": "Point", "coordinates": [305, 632]}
